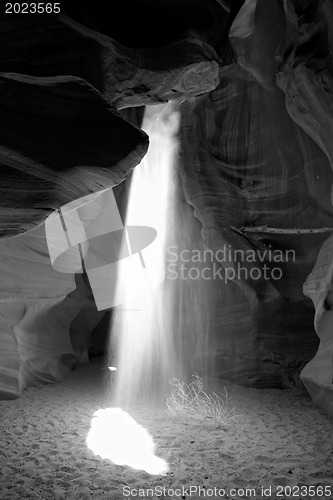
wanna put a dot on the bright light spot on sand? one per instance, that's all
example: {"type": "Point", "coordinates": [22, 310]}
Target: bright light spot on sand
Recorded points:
{"type": "Point", "coordinates": [116, 436]}
{"type": "Point", "coordinates": [112, 368]}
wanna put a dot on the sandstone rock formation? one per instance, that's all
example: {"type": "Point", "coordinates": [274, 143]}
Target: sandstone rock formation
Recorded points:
{"type": "Point", "coordinates": [62, 133]}
{"type": "Point", "coordinates": [258, 173]}
{"type": "Point", "coordinates": [39, 308]}
{"type": "Point", "coordinates": [317, 375]}
{"type": "Point", "coordinates": [62, 138]}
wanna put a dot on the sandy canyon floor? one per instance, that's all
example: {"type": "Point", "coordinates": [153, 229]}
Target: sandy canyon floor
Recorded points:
{"type": "Point", "coordinates": [278, 444]}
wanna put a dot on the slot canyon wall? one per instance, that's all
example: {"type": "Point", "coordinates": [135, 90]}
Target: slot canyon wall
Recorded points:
{"type": "Point", "coordinates": [256, 167]}
{"type": "Point", "coordinates": [63, 137]}
{"type": "Point", "coordinates": [254, 82]}
{"type": "Point", "coordinates": [257, 181]}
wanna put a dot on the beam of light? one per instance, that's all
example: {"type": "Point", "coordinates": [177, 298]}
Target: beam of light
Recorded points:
{"type": "Point", "coordinates": [116, 436]}
{"type": "Point", "coordinates": [142, 340]}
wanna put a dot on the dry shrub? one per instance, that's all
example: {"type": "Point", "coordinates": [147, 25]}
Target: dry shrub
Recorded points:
{"type": "Point", "coordinates": [192, 402]}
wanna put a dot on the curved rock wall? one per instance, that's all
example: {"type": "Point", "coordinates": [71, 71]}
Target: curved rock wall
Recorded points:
{"type": "Point", "coordinates": [317, 375]}
{"type": "Point", "coordinates": [59, 140]}
{"type": "Point", "coordinates": [62, 138]}
{"type": "Point", "coordinates": [258, 180]}
{"type": "Point", "coordinates": [306, 76]}
{"type": "Point", "coordinates": [38, 308]}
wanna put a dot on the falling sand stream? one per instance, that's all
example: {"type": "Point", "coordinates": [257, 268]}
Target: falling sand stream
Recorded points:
{"type": "Point", "coordinates": [144, 349]}
{"type": "Point", "coordinates": [161, 324]}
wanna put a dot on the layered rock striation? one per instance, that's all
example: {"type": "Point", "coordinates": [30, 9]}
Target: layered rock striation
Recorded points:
{"type": "Point", "coordinates": [256, 167]}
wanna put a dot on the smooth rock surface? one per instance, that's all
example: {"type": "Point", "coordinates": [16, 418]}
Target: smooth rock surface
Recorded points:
{"type": "Point", "coordinates": [317, 375]}
{"type": "Point", "coordinates": [44, 327]}
{"type": "Point", "coordinates": [59, 140]}
{"type": "Point", "coordinates": [257, 181]}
